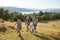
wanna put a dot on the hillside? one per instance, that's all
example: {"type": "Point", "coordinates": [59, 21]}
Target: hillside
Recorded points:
{"type": "Point", "coordinates": [45, 31]}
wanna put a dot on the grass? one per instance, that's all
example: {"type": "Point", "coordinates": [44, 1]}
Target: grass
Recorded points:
{"type": "Point", "coordinates": [45, 31]}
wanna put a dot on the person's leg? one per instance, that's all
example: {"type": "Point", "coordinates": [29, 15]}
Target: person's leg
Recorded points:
{"type": "Point", "coordinates": [27, 28]}
{"type": "Point", "coordinates": [32, 30]}
{"type": "Point", "coordinates": [19, 32]}
{"type": "Point", "coordinates": [35, 28]}
{"type": "Point", "coordinates": [17, 29]}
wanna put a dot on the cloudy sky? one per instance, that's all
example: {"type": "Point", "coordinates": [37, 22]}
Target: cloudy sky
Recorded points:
{"type": "Point", "coordinates": [41, 4]}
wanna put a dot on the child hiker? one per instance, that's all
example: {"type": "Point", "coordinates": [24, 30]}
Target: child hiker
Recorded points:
{"type": "Point", "coordinates": [18, 26]}
{"type": "Point", "coordinates": [35, 21]}
{"type": "Point", "coordinates": [32, 28]}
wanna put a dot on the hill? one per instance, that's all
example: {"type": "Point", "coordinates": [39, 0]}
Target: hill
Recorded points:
{"type": "Point", "coordinates": [51, 10]}
{"type": "Point", "coordinates": [13, 9]}
{"type": "Point", "coordinates": [45, 31]}
{"type": "Point", "coordinates": [30, 10]}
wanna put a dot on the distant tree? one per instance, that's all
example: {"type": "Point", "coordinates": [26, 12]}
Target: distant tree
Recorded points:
{"type": "Point", "coordinates": [1, 12]}
{"type": "Point", "coordinates": [40, 13]}
{"type": "Point", "coordinates": [6, 15]}
{"type": "Point", "coordinates": [45, 17]}
{"type": "Point", "coordinates": [13, 16]}
{"type": "Point", "coordinates": [53, 16]}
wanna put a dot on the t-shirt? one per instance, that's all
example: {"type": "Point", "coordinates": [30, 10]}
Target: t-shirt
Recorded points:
{"type": "Point", "coordinates": [35, 20]}
{"type": "Point", "coordinates": [18, 23]}
{"type": "Point", "coordinates": [27, 21]}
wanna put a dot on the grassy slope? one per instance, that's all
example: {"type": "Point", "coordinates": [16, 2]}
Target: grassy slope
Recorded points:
{"type": "Point", "coordinates": [45, 31]}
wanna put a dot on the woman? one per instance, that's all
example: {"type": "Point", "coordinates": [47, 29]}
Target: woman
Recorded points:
{"type": "Point", "coordinates": [27, 22]}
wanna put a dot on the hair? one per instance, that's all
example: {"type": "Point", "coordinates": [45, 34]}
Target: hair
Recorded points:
{"type": "Point", "coordinates": [27, 16]}
{"type": "Point", "coordinates": [19, 20]}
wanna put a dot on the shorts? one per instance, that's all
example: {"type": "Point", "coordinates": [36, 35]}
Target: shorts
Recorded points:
{"type": "Point", "coordinates": [27, 24]}
{"type": "Point", "coordinates": [35, 26]}
{"type": "Point", "coordinates": [32, 27]}
{"type": "Point", "coordinates": [19, 27]}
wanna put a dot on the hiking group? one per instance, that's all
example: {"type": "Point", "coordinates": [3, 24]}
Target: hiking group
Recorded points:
{"type": "Point", "coordinates": [18, 24]}
{"type": "Point", "coordinates": [27, 23]}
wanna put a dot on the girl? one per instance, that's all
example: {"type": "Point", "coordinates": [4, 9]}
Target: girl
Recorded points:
{"type": "Point", "coordinates": [19, 27]}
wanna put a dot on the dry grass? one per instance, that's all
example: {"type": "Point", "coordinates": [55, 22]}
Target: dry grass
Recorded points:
{"type": "Point", "coordinates": [45, 31]}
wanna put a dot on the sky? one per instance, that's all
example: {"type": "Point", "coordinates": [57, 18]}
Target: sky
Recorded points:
{"type": "Point", "coordinates": [39, 4]}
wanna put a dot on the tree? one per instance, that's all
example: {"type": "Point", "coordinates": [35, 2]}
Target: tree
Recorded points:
{"type": "Point", "coordinates": [53, 16]}
{"type": "Point", "coordinates": [6, 15]}
{"type": "Point", "coordinates": [1, 12]}
{"type": "Point", "coordinates": [45, 17]}
{"type": "Point", "coordinates": [40, 13]}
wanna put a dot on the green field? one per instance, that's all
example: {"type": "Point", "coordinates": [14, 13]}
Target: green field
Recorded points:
{"type": "Point", "coordinates": [45, 31]}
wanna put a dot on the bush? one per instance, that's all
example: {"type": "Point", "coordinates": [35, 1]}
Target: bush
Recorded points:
{"type": "Point", "coordinates": [3, 29]}
{"type": "Point", "coordinates": [45, 17]}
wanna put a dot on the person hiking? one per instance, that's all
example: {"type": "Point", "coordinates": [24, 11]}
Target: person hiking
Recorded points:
{"type": "Point", "coordinates": [32, 28]}
{"type": "Point", "coordinates": [34, 21]}
{"type": "Point", "coordinates": [18, 26]}
{"type": "Point", "coordinates": [27, 22]}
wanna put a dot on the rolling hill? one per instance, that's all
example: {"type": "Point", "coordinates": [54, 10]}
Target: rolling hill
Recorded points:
{"type": "Point", "coordinates": [30, 10]}
{"type": "Point", "coordinates": [13, 9]}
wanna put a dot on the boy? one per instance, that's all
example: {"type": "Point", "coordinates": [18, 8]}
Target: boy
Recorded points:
{"type": "Point", "coordinates": [32, 27]}
{"type": "Point", "coordinates": [35, 21]}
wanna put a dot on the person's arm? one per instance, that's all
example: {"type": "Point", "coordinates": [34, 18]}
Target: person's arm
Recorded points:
{"type": "Point", "coordinates": [37, 20]}
{"type": "Point", "coordinates": [29, 20]}
{"type": "Point", "coordinates": [25, 21]}
{"type": "Point", "coordinates": [32, 19]}
{"type": "Point", "coordinates": [15, 24]}
{"type": "Point", "coordinates": [21, 23]}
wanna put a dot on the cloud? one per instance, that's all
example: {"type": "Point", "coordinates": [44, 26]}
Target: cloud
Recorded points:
{"type": "Point", "coordinates": [42, 4]}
